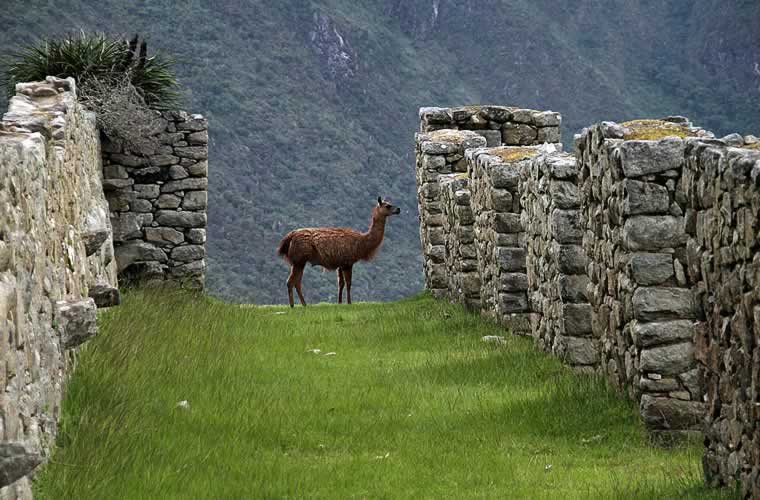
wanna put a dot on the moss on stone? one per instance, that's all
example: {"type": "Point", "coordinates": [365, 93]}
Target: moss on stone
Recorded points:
{"type": "Point", "coordinates": [511, 154]}
{"type": "Point", "coordinates": [755, 146]}
{"type": "Point", "coordinates": [447, 135]}
{"type": "Point", "coordinates": [651, 130]}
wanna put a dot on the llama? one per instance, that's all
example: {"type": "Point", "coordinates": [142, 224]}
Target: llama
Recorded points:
{"type": "Point", "coordinates": [333, 249]}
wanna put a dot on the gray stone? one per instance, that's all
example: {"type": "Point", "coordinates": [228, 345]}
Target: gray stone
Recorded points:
{"type": "Point", "coordinates": [196, 236]}
{"type": "Point", "coordinates": [163, 160]}
{"type": "Point", "coordinates": [104, 294]}
{"type": "Point", "coordinates": [146, 191]}
{"type": "Point", "coordinates": [177, 172]}
{"type": "Point", "coordinates": [114, 184]}
{"type": "Point", "coordinates": [193, 152]}
{"type": "Point", "coordinates": [164, 236]}
{"type": "Point", "coordinates": [662, 332]}
{"type": "Point", "coordinates": [513, 302]}
{"type": "Point", "coordinates": [493, 137]}
{"type": "Point", "coordinates": [504, 175]}
{"type": "Point", "coordinates": [511, 259]}
{"type": "Point", "coordinates": [125, 226]}
{"type": "Point", "coordinates": [168, 201]}
{"type": "Point", "coordinates": [575, 350]}
{"type": "Point", "coordinates": [199, 169]}
{"type": "Point", "coordinates": [435, 115]}
{"type": "Point", "coordinates": [194, 124]}
{"type": "Point", "coordinates": [566, 226]}
{"type": "Point", "coordinates": [644, 198]}
{"type": "Point", "coordinates": [495, 113]}
{"type": "Point", "coordinates": [115, 172]}
{"type": "Point", "coordinates": [16, 462]}
{"type": "Point", "coordinates": [571, 259]}
{"type": "Point", "coordinates": [549, 134]}
{"type": "Point", "coordinates": [576, 318]}
{"type": "Point", "coordinates": [141, 206]}
{"type": "Point", "coordinates": [651, 268]}
{"type": "Point", "coordinates": [129, 160]}
{"type": "Point", "coordinates": [94, 239]}
{"type": "Point", "coordinates": [690, 380]}
{"type": "Point", "coordinates": [659, 303]}
{"type": "Point", "coordinates": [572, 288]}
{"type": "Point", "coordinates": [653, 232]}
{"type": "Point", "coordinates": [518, 134]}
{"type": "Point", "coordinates": [188, 253]}
{"type": "Point", "coordinates": [76, 321]}
{"type": "Point", "coordinates": [189, 184]}
{"type": "Point", "coordinates": [198, 137]}
{"type": "Point", "coordinates": [563, 167]}
{"type": "Point", "coordinates": [651, 157]}
{"type": "Point", "coordinates": [564, 194]}
{"type": "Point", "coordinates": [547, 119]}
{"type": "Point", "coordinates": [181, 219]}
{"type": "Point", "coordinates": [190, 269]}
{"type": "Point", "coordinates": [660, 385]}
{"type": "Point", "coordinates": [668, 413]}
{"type": "Point", "coordinates": [137, 251]}
{"type": "Point", "coordinates": [513, 282]}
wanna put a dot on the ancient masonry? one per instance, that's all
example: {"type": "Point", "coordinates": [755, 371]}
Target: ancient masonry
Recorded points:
{"type": "Point", "coordinates": [56, 263]}
{"type": "Point", "coordinates": [67, 234]}
{"type": "Point", "coordinates": [637, 258]}
{"type": "Point", "coordinates": [157, 191]}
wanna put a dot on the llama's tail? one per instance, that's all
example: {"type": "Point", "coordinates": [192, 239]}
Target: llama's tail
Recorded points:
{"type": "Point", "coordinates": [284, 246]}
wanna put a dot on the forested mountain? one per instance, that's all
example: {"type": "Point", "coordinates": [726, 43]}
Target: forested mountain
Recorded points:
{"type": "Point", "coordinates": [313, 103]}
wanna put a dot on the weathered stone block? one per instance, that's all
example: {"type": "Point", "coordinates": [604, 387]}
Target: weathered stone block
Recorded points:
{"type": "Point", "coordinates": [644, 198]}
{"type": "Point", "coordinates": [662, 332]}
{"type": "Point", "coordinates": [661, 303]}
{"type": "Point", "coordinates": [667, 413]}
{"type": "Point", "coordinates": [575, 350]}
{"type": "Point", "coordinates": [163, 236]}
{"type": "Point", "coordinates": [668, 360]}
{"type": "Point", "coordinates": [651, 157]}
{"type": "Point", "coordinates": [198, 200]}
{"type": "Point", "coordinates": [566, 226]}
{"type": "Point", "coordinates": [16, 461]}
{"type": "Point", "coordinates": [651, 268]}
{"type": "Point", "coordinates": [189, 184]}
{"type": "Point", "coordinates": [518, 134]}
{"type": "Point", "coordinates": [135, 251]}
{"type": "Point", "coordinates": [180, 219]}
{"type": "Point", "coordinates": [653, 232]}
{"type": "Point", "coordinates": [576, 318]}
{"type": "Point", "coordinates": [188, 253]}
{"type": "Point", "coordinates": [76, 321]}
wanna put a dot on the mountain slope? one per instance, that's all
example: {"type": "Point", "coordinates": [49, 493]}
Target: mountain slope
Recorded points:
{"type": "Point", "coordinates": [312, 104]}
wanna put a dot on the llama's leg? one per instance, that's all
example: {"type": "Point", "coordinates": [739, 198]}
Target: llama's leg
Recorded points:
{"type": "Point", "coordinates": [299, 278]}
{"type": "Point", "coordinates": [291, 284]}
{"type": "Point", "coordinates": [340, 286]}
{"type": "Point", "coordinates": [347, 277]}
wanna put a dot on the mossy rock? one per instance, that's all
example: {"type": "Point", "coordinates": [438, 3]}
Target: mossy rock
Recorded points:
{"type": "Point", "coordinates": [449, 135]}
{"type": "Point", "coordinates": [755, 146]}
{"type": "Point", "coordinates": [651, 130]}
{"type": "Point", "coordinates": [512, 154]}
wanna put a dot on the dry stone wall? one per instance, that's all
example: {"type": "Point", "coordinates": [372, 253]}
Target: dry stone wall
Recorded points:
{"type": "Point", "coordinates": [157, 192]}
{"type": "Point", "coordinates": [56, 263]}
{"type": "Point", "coordinates": [439, 153]}
{"type": "Point", "coordinates": [499, 125]}
{"type": "Point", "coordinates": [643, 308]}
{"type": "Point", "coordinates": [722, 188]}
{"type": "Point", "coordinates": [460, 253]}
{"type": "Point", "coordinates": [555, 261]}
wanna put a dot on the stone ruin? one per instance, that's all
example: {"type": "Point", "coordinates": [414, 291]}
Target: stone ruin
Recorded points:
{"type": "Point", "coordinates": [636, 258]}
{"type": "Point", "coordinates": [78, 214]}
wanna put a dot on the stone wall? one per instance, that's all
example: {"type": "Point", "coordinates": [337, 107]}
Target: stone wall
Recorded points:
{"type": "Point", "coordinates": [643, 308]}
{"type": "Point", "coordinates": [460, 253]}
{"type": "Point", "coordinates": [438, 153]}
{"type": "Point", "coordinates": [56, 262]}
{"type": "Point", "coordinates": [499, 125]}
{"type": "Point", "coordinates": [499, 235]}
{"type": "Point", "coordinates": [555, 261]}
{"type": "Point", "coordinates": [157, 192]}
{"type": "Point", "coordinates": [722, 187]}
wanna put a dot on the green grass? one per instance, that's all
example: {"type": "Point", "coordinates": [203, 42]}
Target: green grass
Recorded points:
{"type": "Point", "coordinates": [412, 405]}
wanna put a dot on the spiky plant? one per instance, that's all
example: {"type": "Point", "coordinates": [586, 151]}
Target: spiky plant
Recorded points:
{"type": "Point", "coordinates": [96, 56]}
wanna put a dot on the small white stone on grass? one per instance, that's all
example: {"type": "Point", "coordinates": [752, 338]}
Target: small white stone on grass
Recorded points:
{"type": "Point", "coordinates": [493, 339]}
{"type": "Point", "coordinates": [184, 404]}
{"type": "Point", "coordinates": [330, 353]}
{"type": "Point", "coordinates": [315, 351]}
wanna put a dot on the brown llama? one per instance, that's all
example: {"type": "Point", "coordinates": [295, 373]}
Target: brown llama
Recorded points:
{"type": "Point", "coordinates": [333, 248]}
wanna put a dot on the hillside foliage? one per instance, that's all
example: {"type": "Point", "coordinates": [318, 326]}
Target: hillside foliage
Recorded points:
{"type": "Point", "coordinates": [313, 104]}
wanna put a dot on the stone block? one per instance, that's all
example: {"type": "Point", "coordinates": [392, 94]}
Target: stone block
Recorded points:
{"type": "Point", "coordinates": [651, 268]}
{"type": "Point", "coordinates": [566, 226]}
{"type": "Point", "coordinates": [576, 319]}
{"type": "Point", "coordinates": [518, 134]}
{"type": "Point", "coordinates": [662, 332]}
{"type": "Point", "coordinates": [663, 303]}
{"type": "Point", "coordinates": [653, 232]}
{"type": "Point", "coordinates": [644, 198]}
{"type": "Point", "coordinates": [197, 200]}
{"type": "Point", "coordinates": [575, 350]}
{"type": "Point", "coordinates": [188, 253]}
{"type": "Point", "coordinates": [641, 158]}
{"type": "Point", "coordinates": [180, 219]}
{"type": "Point", "coordinates": [668, 360]}
{"type": "Point", "coordinates": [76, 321]}
{"type": "Point", "coordinates": [16, 461]}
{"type": "Point", "coordinates": [189, 184]}
{"type": "Point", "coordinates": [667, 413]}
{"type": "Point", "coordinates": [104, 294]}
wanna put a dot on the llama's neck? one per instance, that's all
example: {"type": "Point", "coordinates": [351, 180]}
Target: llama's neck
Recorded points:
{"type": "Point", "coordinates": [374, 235]}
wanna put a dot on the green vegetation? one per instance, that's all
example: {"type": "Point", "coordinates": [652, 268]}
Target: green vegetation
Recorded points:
{"type": "Point", "coordinates": [412, 404]}
{"type": "Point", "coordinates": [651, 130]}
{"type": "Point", "coordinates": [92, 57]}
{"type": "Point", "coordinates": [511, 153]}
{"type": "Point", "coordinates": [294, 146]}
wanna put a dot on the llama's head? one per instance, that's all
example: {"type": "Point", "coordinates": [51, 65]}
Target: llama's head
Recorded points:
{"type": "Point", "coordinates": [385, 209]}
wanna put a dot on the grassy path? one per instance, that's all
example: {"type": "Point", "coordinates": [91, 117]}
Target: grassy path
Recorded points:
{"type": "Point", "coordinates": [411, 405]}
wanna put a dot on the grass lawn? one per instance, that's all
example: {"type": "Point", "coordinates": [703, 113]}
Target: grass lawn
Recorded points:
{"type": "Point", "coordinates": [412, 404]}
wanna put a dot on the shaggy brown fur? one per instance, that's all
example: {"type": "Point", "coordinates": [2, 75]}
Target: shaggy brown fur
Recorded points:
{"type": "Point", "coordinates": [333, 248]}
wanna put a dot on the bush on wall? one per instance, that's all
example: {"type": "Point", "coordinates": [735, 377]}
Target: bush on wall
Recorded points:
{"type": "Point", "coordinates": [116, 78]}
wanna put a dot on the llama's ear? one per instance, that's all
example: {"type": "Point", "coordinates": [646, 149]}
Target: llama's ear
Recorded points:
{"type": "Point", "coordinates": [379, 200]}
